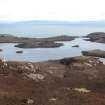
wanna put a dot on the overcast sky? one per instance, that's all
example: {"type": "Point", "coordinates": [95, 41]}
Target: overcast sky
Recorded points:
{"type": "Point", "coordinates": [66, 10]}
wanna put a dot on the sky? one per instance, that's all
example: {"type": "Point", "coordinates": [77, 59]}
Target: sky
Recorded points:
{"type": "Point", "coordinates": [60, 10]}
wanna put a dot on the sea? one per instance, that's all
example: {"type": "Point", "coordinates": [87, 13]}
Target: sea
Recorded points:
{"type": "Point", "coordinates": [47, 29]}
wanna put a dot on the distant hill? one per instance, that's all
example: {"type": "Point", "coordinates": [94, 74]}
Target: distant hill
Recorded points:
{"type": "Point", "coordinates": [45, 22]}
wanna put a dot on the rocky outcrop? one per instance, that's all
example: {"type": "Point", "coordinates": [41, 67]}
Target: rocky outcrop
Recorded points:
{"type": "Point", "coordinates": [35, 42]}
{"type": "Point", "coordinates": [19, 52]}
{"type": "Point", "coordinates": [96, 37]}
{"type": "Point", "coordinates": [75, 46]}
{"type": "Point", "coordinates": [96, 53]}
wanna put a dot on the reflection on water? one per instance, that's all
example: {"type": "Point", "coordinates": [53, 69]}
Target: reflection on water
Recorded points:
{"type": "Point", "coordinates": [42, 54]}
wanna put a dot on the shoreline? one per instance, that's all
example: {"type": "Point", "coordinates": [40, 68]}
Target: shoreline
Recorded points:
{"type": "Point", "coordinates": [98, 37]}
{"type": "Point", "coordinates": [70, 80]}
{"type": "Point", "coordinates": [49, 44]}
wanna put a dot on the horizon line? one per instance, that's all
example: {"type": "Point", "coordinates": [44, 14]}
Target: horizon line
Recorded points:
{"type": "Point", "coordinates": [15, 21]}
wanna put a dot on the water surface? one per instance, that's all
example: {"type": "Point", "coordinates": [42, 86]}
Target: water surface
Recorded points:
{"type": "Point", "coordinates": [43, 54]}
{"type": "Point", "coordinates": [34, 30]}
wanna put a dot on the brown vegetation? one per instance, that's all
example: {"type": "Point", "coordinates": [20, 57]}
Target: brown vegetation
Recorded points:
{"type": "Point", "coordinates": [53, 82]}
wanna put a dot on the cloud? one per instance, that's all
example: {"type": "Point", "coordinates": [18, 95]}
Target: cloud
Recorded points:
{"type": "Point", "coordinates": [69, 10]}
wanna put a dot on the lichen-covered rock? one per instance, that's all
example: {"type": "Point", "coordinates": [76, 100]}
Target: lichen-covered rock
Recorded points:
{"type": "Point", "coordinates": [36, 76]}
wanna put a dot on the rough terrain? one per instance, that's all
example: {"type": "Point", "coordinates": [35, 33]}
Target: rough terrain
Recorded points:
{"type": "Point", "coordinates": [69, 81]}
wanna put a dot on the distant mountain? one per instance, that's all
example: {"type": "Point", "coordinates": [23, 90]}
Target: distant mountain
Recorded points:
{"type": "Point", "coordinates": [45, 22]}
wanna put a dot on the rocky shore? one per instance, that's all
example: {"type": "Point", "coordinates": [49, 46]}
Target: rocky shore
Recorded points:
{"type": "Point", "coordinates": [95, 53]}
{"type": "Point", "coordinates": [35, 42]}
{"type": "Point", "coordinates": [69, 81]}
{"type": "Point", "coordinates": [98, 37]}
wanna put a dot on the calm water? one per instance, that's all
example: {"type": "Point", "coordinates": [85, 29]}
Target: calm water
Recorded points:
{"type": "Point", "coordinates": [32, 30]}
{"type": "Point", "coordinates": [38, 30]}
{"type": "Point", "coordinates": [42, 54]}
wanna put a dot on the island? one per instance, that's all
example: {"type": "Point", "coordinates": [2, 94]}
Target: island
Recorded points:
{"type": "Point", "coordinates": [98, 37]}
{"type": "Point", "coordinates": [23, 42]}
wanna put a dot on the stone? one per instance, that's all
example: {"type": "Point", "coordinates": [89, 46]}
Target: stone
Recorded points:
{"type": "Point", "coordinates": [19, 51]}
{"type": "Point", "coordinates": [30, 101]}
{"type": "Point", "coordinates": [75, 46]}
{"type": "Point", "coordinates": [36, 76]}
{"type": "Point", "coordinates": [83, 90]}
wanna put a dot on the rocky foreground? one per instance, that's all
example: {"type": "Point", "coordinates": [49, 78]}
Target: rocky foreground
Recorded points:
{"type": "Point", "coordinates": [50, 42]}
{"type": "Point", "coordinates": [69, 81]}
